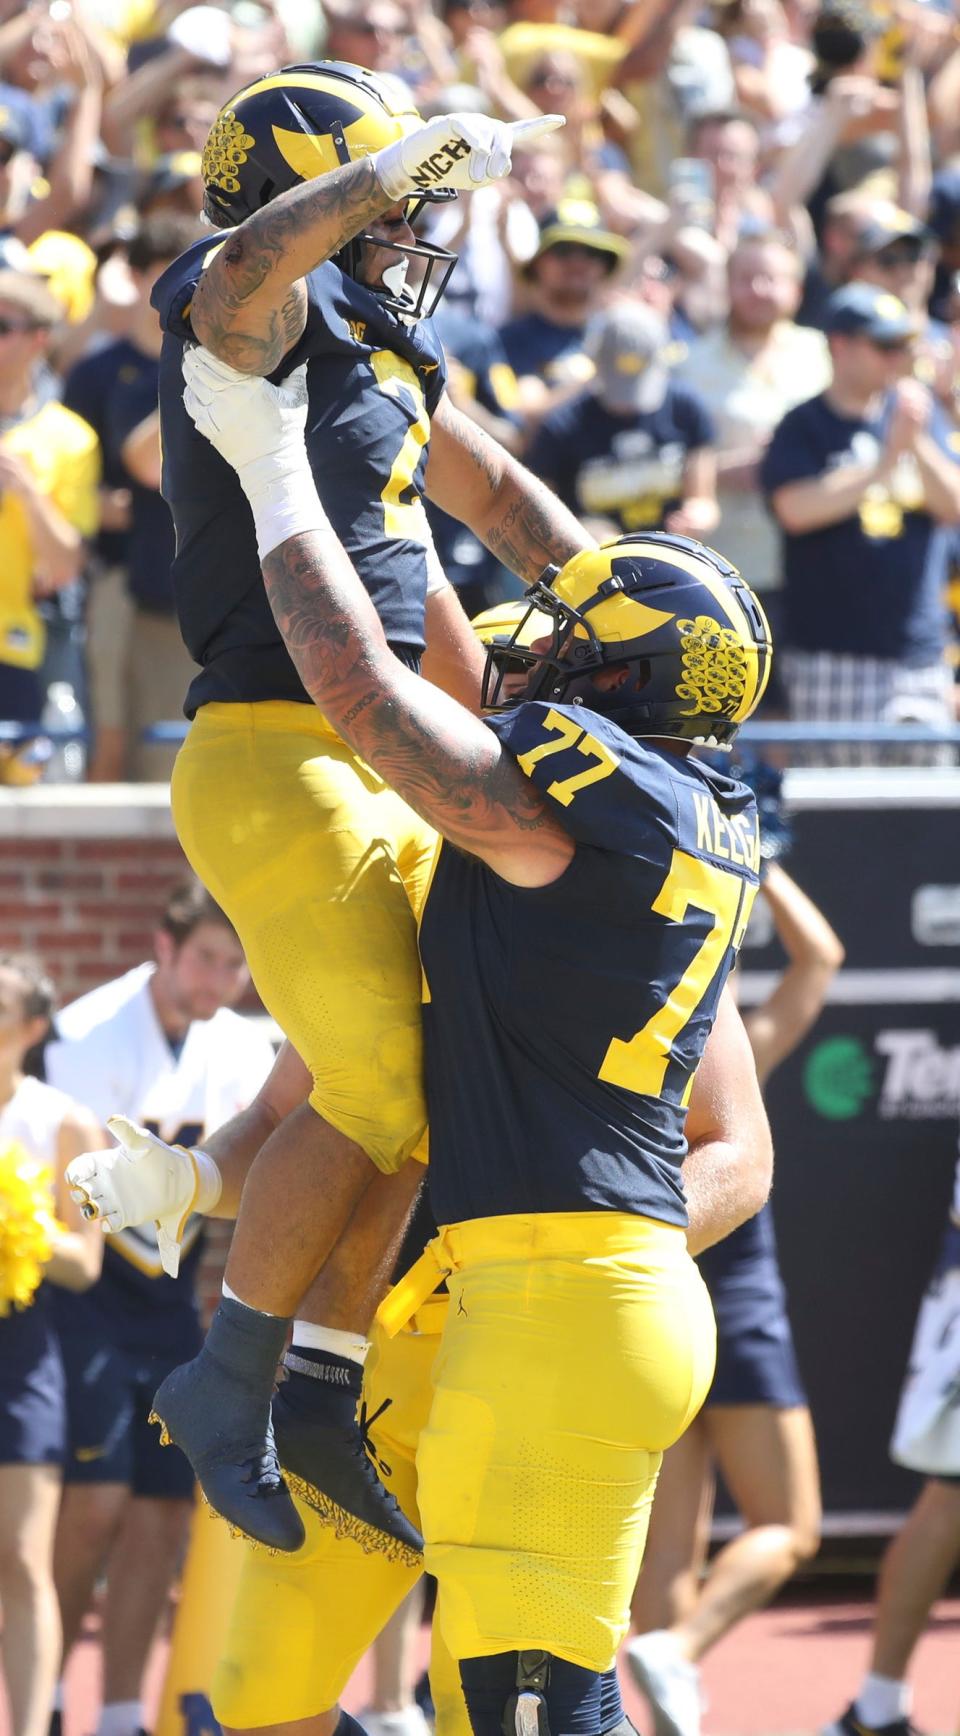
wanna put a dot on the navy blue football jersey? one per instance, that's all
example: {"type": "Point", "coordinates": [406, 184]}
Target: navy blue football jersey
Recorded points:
{"type": "Point", "coordinates": [373, 382]}
{"type": "Point", "coordinates": [563, 1025]}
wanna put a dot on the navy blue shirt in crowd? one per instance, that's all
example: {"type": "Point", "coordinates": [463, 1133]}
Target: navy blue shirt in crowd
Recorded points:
{"type": "Point", "coordinates": [873, 584]}
{"type": "Point", "coordinates": [373, 382]}
{"type": "Point", "coordinates": [569, 1101]}
{"type": "Point", "coordinates": [626, 468]}
{"type": "Point", "coordinates": [87, 391]}
{"type": "Point", "coordinates": [151, 544]}
{"type": "Point", "coordinates": [491, 380]}
{"type": "Point", "coordinates": [535, 345]}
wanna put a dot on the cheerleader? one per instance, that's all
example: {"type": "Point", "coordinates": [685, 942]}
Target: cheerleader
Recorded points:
{"type": "Point", "coordinates": [43, 1238]}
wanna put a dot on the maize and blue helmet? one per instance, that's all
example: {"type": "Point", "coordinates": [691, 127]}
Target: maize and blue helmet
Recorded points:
{"type": "Point", "coordinates": [675, 616]}
{"type": "Point", "coordinates": [305, 121]}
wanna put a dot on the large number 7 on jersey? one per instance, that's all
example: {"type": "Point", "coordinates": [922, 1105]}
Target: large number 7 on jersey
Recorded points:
{"type": "Point", "coordinates": [640, 1063]}
{"type": "Point", "coordinates": [403, 519]}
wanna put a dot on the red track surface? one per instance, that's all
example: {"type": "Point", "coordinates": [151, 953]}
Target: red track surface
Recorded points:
{"type": "Point", "coordinates": [785, 1671]}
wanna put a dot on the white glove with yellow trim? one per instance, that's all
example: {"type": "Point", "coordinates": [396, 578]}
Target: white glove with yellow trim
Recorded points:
{"type": "Point", "coordinates": [460, 152]}
{"type": "Point", "coordinates": [143, 1179]}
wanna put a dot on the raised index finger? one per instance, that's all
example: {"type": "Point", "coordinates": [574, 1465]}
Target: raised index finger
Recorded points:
{"type": "Point", "coordinates": [524, 132]}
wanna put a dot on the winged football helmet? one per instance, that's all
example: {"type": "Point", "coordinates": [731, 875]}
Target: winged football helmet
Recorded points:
{"type": "Point", "coordinates": [305, 121]}
{"type": "Point", "coordinates": [687, 630]}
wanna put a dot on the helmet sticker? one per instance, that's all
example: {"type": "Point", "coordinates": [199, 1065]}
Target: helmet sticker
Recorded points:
{"type": "Point", "coordinates": [225, 150]}
{"type": "Point", "coordinates": [713, 667]}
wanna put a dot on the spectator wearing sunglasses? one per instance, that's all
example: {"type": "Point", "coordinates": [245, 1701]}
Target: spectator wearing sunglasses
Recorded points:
{"type": "Point", "coordinates": [898, 253]}
{"type": "Point", "coordinates": [865, 486]}
{"type": "Point", "coordinates": [49, 471]}
{"type": "Point", "coordinates": [576, 257]}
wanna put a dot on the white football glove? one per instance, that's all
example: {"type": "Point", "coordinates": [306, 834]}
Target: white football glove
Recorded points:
{"type": "Point", "coordinates": [462, 152]}
{"type": "Point", "coordinates": [142, 1179]}
{"type": "Point", "coordinates": [258, 429]}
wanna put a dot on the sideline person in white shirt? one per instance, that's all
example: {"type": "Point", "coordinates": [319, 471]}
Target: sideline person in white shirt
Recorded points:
{"type": "Point", "coordinates": [160, 1045]}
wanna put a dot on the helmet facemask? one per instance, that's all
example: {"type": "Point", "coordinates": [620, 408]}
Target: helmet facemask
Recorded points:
{"type": "Point", "coordinates": [690, 659]}
{"type": "Point", "coordinates": [432, 269]}
{"type": "Point", "coordinates": [564, 661]}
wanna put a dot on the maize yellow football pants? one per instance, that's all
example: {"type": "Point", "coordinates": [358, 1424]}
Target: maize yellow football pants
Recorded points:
{"type": "Point", "coordinates": [319, 867]}
{"type": "Point", "coordinates": [301, 1623]}
{"type": "Point", "coordinates": [577, 1347]}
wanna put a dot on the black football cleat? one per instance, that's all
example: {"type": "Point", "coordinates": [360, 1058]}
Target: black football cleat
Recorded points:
{"type": "Point", "coordinates": [851, 1725]}
{"type": "Point", "coordinates": [329, 1461]}
{"type": "Point", "coordinates": [216, 1409]}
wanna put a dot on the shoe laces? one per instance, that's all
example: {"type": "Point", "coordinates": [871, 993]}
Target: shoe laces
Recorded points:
{"type": "Point", "coordinates": [264, 1470]}
{"type": "Point", "coordinates": [365, 1423]}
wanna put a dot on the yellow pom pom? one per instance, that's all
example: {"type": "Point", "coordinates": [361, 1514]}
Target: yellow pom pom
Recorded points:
{"type": "Point", "coordinates": [27, 1226]}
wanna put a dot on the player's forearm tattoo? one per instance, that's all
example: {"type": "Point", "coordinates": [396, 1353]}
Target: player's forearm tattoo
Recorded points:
{"type": "Point", "coordinates": [468, 788]}
{"type": "Point", "coordinates": [533, 531]}
{"type": "Point", "coordinates": [527, 527]}
{"type": "Point", "coordinates": [250, 306]}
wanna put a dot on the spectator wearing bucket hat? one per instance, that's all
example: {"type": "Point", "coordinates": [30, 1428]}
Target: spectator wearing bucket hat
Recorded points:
{"type": "Point", "coordinates": [864, 482]}
{"type": "Point", "coordinates": [576, 256]}
{"type": "Point", "coordinates": [49, 470]}
{"type": "Point", "coordinates": [634, 450]}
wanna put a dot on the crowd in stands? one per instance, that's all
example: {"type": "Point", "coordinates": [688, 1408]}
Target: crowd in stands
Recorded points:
{"type": "Point", "coordinates": [723, 301]}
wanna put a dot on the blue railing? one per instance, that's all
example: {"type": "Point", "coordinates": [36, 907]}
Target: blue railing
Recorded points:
{"type": "Point", "coordinates": [171, 733]}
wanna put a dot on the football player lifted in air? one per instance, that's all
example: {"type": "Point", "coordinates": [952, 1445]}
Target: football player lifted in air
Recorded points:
{"type": "Point", "coordinates": [587, 894]}
{"type": "Point", "coordinates": [311, 177]}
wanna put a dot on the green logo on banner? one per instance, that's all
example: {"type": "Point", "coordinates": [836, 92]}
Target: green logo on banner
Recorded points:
{"type": "Point", "coordinates": [838, 1078]}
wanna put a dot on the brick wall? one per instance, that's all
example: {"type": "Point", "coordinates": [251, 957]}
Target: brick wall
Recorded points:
{"type": "Point", "coordinates": [84, 872]}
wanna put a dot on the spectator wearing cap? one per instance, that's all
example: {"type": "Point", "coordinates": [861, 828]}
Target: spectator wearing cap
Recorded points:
{"type": "Point", "coordinates": [173, 184]}
{"type": "Point", "coordinates": [635, 450]}
{"type": "Point", "coordinates": [138, 667]}
{"type": "Point", "coordinates": [865, 486]}
{"type": "Point", "coordinates": [751, 371]}
{"type": "Point", "coordinates": [898, 253]}
{"type": "Point", "coordinates": [49, 471]}
{"type": "Point", "coordinates": [575, 258]}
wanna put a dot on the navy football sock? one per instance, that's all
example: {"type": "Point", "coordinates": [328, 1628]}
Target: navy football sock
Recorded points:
{"type": "Point", "coordinates": [321, 1386]}
{"type": "Point", "coordinates": [348, 1726]}
{"type": "Point", "coordinates": [578, 1702]}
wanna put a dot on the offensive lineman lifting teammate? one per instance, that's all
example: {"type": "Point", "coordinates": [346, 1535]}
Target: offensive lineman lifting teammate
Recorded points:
{"type": "Point", "coordinates": [308, 852]}
{"type": "Point", "coordinates": [300, 1622]}
{"type": "Point", "coordinates": [584, 906]}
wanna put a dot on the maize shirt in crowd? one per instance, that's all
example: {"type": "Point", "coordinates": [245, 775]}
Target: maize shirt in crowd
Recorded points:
{"type": "Point", "coordinates": [63, 453]}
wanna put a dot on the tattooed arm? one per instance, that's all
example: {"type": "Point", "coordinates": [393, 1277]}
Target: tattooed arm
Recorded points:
{"type": "Point", "coordinates": [250, 305]}
{"type": "Point", "coordinates": [515, 514]}
{"type": "Point", "coordinates": [442, 760]}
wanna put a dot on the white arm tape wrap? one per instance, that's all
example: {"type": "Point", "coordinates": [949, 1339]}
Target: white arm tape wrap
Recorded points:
{"type": "Point", "coordinates": [209, 1180]}
{"type": "Point", "coordinates": [284, 503]}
